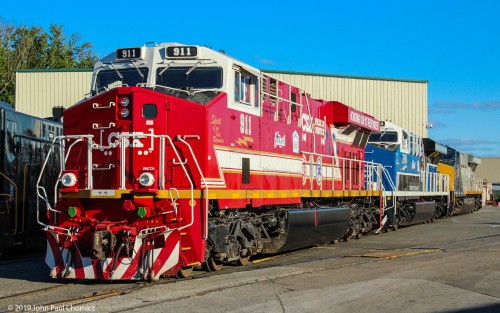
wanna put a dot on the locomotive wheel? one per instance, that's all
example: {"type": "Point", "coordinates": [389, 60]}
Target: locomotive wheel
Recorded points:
{"type": "Point", "coordinates": [213, 265]}
{"type": "Point", "coordinates": [185, 272]}
{"type": "Point", "coordinates": [243, 260]}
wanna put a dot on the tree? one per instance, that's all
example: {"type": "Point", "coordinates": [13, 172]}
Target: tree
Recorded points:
{"type": "Point", "coordinates": [23, 47]}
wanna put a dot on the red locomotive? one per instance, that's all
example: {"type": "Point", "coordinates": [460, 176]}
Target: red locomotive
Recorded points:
{"type": "Point", "coordinates": [183, 156]}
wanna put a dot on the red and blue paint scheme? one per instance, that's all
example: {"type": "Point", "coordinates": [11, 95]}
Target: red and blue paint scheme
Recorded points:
{"type": "Point", "coordinates": [184, 157]}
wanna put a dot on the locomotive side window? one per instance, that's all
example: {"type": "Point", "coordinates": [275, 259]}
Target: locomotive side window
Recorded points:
{"type": "Point", "coordinates": [149, 111]}
{"type": "Point", "coordinates": [406, 141]}
{"type": "Point", "coordinates": [113, 78]}
{"type": "Point", "coordinates": [246, 88]}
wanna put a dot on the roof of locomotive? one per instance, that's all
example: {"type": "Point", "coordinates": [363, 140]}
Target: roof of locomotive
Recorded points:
{"type": "Point", "coordinates": [5, 106]}
{"type": "Point", "coordinates": [203, 53]}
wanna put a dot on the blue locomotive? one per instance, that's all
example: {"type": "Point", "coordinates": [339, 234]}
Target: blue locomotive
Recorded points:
{"type": "Point", "coordinates": [422, 179]}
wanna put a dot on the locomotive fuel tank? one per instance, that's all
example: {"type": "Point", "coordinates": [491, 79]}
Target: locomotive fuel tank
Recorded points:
{"type": "Point", "coordinates": [320, 224]}
{"type": "Point", "coordinates": [424, 211]}
{"type": "Point", "coordinates": [467, 205]}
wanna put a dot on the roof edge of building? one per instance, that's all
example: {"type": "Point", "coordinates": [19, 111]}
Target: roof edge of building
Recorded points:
{"type": "Point", "coordinates": [50, 70]}
{"type": "Point", "coordinates": [346, 76]}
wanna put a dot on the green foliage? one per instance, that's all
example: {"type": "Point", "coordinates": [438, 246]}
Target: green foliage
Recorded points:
{"type": "Point", "coordinates": [23, 47]}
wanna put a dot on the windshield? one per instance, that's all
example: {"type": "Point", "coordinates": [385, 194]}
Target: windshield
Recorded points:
{"type": "Point", "coordinates": [198, 78]}
{"type": "Point", "coordinates": [130, 77]}
{"type": "Point", "coordinates": [449, 158]}
{"type": "Point", "coordinates": [384, 137]}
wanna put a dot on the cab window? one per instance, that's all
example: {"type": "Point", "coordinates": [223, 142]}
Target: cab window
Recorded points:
{"type": "Point", "coordinates": [246, 88]}
{"type": "Point", "coordinates": [189, 77]}
{"type": "Point", "coordinates": [405, 142]}
{"type": "Point", "coordinates": [386, 136]}
{"type": "Point", "coordinates": [114, 78]}
{"type": "Point", "coordinates": [149, 111]}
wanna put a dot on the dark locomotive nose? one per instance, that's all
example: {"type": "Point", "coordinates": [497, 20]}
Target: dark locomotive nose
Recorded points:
{"type": "Point", "coordinates": [57, 113]}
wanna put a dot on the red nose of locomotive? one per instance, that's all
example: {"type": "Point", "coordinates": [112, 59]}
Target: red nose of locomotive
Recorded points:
{"type": "Point", "coordinates": [122, 144]}
{"type": "Point", "coordinates": [116, 193]}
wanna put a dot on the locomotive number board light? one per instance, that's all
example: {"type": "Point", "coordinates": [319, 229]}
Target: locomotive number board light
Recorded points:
{"type": "Point", "coordinates": [128, 53]}
{"type": "Point", "coordinates": [182, 52]}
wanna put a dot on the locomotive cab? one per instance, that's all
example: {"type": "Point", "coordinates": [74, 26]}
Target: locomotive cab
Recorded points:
{"type": "Point", "coordinates": [136, 154]}
{"type": "Point", "coordinates": [416, 191]}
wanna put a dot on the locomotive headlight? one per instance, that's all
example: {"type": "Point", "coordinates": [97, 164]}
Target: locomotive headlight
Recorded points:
{"type": "Point", "coordinates": [124, 101]}
{"type": "Point", "coordinates": [68, 180]}
{"type": "Point", "coordinates": [146, 179]}
{"type": "Point", "coordinates": [124, 112]}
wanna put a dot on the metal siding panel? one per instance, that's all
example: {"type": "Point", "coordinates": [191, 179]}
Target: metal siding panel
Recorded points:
{"type": "Point", "coordinates": [404, 103]}
{"type": "Point", "coordinates": [38, 92]}
{"type": "Point", "coordinates": [489, 169]}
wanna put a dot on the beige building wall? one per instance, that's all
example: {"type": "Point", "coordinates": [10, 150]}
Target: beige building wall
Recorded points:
{"type": "Point", "coordinates": [37, 91]}
{"type": "Point", "coordinates": [489, 169]}
{"type": "Point", "coordinates": [403, 102]}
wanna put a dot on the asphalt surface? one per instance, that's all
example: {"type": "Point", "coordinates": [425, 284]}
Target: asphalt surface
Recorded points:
{"type": "Point", "coordinates": [451, 265]}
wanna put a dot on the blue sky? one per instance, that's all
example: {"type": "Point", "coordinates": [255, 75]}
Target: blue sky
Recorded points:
{"type": "Point", "coordinates": [453, 44]}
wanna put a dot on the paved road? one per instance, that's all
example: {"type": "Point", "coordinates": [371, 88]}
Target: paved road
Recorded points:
{"type": "Point", "coordinates": [452, 265]}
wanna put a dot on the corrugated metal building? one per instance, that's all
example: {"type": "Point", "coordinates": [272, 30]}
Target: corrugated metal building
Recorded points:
{"type": "Point", "coordinates": [37, 91]}
{"type": "Point", "coordinates": [489, 169]}
{"type": "Point", "coordinates": [403, 102]}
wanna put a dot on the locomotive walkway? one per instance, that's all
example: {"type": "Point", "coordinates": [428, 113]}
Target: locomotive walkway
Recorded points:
{"type": "Point", "coordinates": [450, 265]}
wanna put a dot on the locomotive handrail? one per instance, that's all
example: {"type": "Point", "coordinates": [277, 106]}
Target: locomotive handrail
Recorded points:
{"type": "Point", "coordinates": [96, 167]}
{"type": "Point", "coordinates": [65, 155]}
{"type": "Point", "coordinates": [98, 106]}
{"type": "Point", "coordinates": [99, 126]}
{"type": "Point", "coordinates": [15, 199]}
{"type": "Point", "coordinates": [369, 165]}
{"type": "Point", "coordinates": [281, 99]}
{"type": "Point", "coordinates": [123, 136]}
{"type": "Point", "coordinates": [44, 196]}
{"type": "Point", "coordinates": [389, 178]}
{"type": "Point", "coordinates": [201, 175]}
{"type": "Point", "coordinates": [191, 203]}
{"type": "Point", "coordinates": [41, 192]}
{"type": "Point", "coordinates": [149, 85]}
